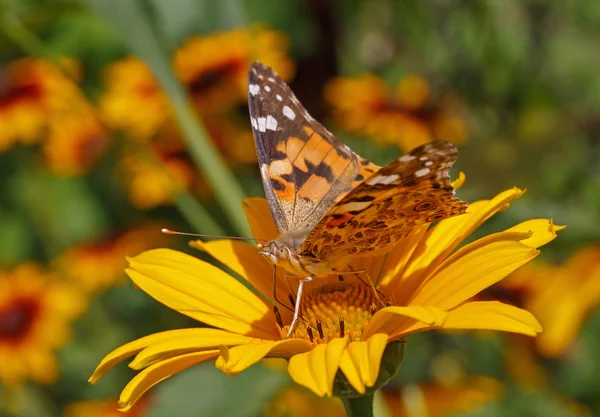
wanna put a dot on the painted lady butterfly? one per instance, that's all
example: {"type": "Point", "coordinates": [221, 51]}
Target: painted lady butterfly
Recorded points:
{"type": "Point", "coordinates": [328, 203]}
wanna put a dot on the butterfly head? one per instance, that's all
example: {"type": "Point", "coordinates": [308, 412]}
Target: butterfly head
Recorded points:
{"type": "Point", "coordinates": [275, 252]}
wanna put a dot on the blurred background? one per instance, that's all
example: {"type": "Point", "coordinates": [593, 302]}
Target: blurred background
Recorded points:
{"type": "Point", "coordinates": [100, 149]}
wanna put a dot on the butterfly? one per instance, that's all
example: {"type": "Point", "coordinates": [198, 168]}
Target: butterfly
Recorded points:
{"type": "Point", "coordinates": [328, 203]}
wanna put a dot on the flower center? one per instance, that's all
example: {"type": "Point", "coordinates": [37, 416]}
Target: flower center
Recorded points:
{"type": "Point", "coordinates": [335, 310]}
{"type": "Point", "coordinates": [16, 319]}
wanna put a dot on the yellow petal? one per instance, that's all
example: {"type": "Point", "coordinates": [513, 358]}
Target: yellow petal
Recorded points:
{"type": "Point", "coordinates": [134, 347]}
{"type": "Point", "coordinates": [201, 291]}
{"type": "Point", "coordinates": [237, 359]}
{"type": "Point", "coordinates": [360, 361]}
{"type": "Point", "coordinates": [492, 315]}
{"type": "Point", "coordinates": [457, 183]}
{"type": "Point", "coordinates": [259, 217]}
{"type": "Point", "coordinates": [463, 277]}
{"type": "Point", "coordinates": [543, 231]}
{"type": "Point", "coordinates": [245, 261]}
{"type": "Point", "coordinates": [316, 368]}
{"type": "Point", "coordinates": [445, 236]}
{"type": "Point", "coordinates": [193, 340]}
{"type": "Point", "coordinates": [154, 374]}
{"type": "Point", "coordinates": [393, 320]}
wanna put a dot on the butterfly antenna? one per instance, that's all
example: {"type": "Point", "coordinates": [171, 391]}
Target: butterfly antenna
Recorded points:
{"type": "Point", "coordinates": [173, 232]}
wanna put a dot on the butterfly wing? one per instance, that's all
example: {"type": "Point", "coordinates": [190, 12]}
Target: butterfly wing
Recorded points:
{"type": "Point", "coordinates": [304, 168]}
{"type": "Point", "coordinates": [413, 190]}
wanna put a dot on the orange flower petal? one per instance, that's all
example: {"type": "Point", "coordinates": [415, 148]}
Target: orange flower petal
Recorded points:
{"type": "Point", "coordinates": [154, 374]}
{"type": "Point", "coordinates": [316, 368]}
{"type": "Point", "coordinates": [237, 359]}
{"type": "Point", "coordinates": [464, 275]}
{"type": "Point", "coordinates": [245, 261]}
{"type": "Point", "coordinates": [193, 340]}
{"type": "Point", "coordinates": [132, 348]}
{"type": "Point", "coordinates": [261, 224]}
{"type": "Point", "coordinates": [492, 315]}
{"type": "Point", "coordinates": [394, 320]}
{"type": "Point", "coordinates": [360, 361]}
{"type": "Point", "coordinates": [201, 291]}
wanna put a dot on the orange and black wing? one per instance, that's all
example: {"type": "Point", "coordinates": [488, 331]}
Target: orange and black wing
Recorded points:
{"type": "Point", "coordinates": [305, 169]}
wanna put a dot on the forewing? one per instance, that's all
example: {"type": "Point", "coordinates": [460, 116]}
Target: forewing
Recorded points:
{"type": "Point", "coordinates": [304, 168]}
{"type": "Point", "coordinates": [413, 190]}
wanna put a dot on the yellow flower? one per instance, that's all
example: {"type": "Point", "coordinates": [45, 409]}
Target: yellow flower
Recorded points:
{"type": "Point", "coordinates": [98, 265]}
{"type": "Point", "coordinates": [155, 175]}
{"type": "Point", "coordinates": [75, 142]}
{"type": "Point", "coordinates": [427, 282]}
{"type": "Point", "coordinates": [33, 91]}
{"type": "Point", "coordinates": [214, 68]}
{"type": "Point", "coordinates": [406, 117]}
{"type": "Point", "coordinates": [131, 85]}
{"type": "Point", "coordinates": [233, 139]}
{"type": "Point", "coordinates": [561, 296]}
{"type": "Point", "coordinates": [106, 408]}
{"type": "Point", "coordinates": [443, 400]}
{"type": "Point", "coordinates": [36, 311]}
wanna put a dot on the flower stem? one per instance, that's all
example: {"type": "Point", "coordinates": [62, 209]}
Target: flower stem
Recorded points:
{"type": "Point", "coordinates": [361, 406]}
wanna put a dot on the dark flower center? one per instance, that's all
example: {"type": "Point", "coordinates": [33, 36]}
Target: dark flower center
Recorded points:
{"type": "Point", "coordinates": [16, 319]}
{"type": "Point", "coordinates": [211, 77]}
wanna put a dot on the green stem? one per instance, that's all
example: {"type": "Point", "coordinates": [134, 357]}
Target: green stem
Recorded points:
{"type": "Point", "coordinates": [361, 406]}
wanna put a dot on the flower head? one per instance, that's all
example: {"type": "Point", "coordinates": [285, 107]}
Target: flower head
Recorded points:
{"type": "Point", "coordinates": [405, 117]}
{"type": "Point", "coordinates": [426, 281]}
{"type": "Point", "coordinates": [35, 315]}
{"type": "Point", "coordinates": [214, 68]}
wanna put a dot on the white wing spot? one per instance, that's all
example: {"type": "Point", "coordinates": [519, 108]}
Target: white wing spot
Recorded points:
{"type": "Point", "coordinates": [423, 158]}
{"type": "Point", "coordinates": [253, 88]}
{"type": "Point", "coordinates": [278, 97]}
{"type": "Point", "coordinates": [428, 163]}
{"type": "Point", "coordinates": [389, 179]}
{"type": "Point", "coordinates": [267, 88]}
{"type": "Point", "coordinates": [271, 79]}
{"type": "Point", "coordinates": [419, 173]}
{"type": "Point", "coordinates": [254, 124]}
{"type": "Point", "coordinates": [262, 124]}
{"type": "Point", "coordinates": [289, 113]}
{"type": "Point", "coordinates": [375, 180]}
{"type": "Point", "coordinates": [406, 158]}
{"type": "Point", "coordinates": [271, 123]}
{"type": "Point", "coordinates": [261, 77]}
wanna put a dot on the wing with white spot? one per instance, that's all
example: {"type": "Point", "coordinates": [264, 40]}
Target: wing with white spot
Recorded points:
{"type": "Point", "coordinates": [413, 190]}
{"type": "Point", "coordinates": [305, 169]}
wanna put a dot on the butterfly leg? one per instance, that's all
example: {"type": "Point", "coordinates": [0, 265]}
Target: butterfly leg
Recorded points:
{"type": "Point", "coordinates": [297, 306]}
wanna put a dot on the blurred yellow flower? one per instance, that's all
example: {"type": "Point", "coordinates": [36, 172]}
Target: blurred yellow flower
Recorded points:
{"type": "Point", "coordinates": [106, 408]}
{"type": "Point", "coordinates": [36, 311]}
{"type": "Point", "coordinates": [443, 400]}
{"type": "Point", "coordinates": [75, 142]}
{"type": "Point", "coordinates": [233, 139]}
{"type": "Point", "coordinates": [98, 265]}
{"type": "Point", "coordinates": [33, 91]}
{"type": "Point", "coordinates": [154, 176]}
{"type": "Point", "coordinates": [426, 281]}
{"type": "Point", "coordinates": [561, 296]}
{"type": "Point", "coordinates": [214, 67]}
{"type": "Point", "coordinates": [130, 85]}
{"type": "Point", "coordinates": [406, 117]}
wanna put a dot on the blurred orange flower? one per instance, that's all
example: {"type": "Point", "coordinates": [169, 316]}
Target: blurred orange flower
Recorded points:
{"type": "Point", "coordinates": [214, 68]}
{"type": "Point", "coordinates": [295, 401]}
{"type": "Point", "coordinates": [443, 400]}
{"type": "Point", "coordinates": [75, 142]}
{"type": "Point", "coordinates": [406, 117]}
{"type": "Point", "coordinates": [560, 296]}
{"type": "Point", "coordinates": [36, 311]}
{"type": "Point", "coordinates": [130, 85]}
{"type": "Point", "coordinates": [32, 92]}
{"type": "Point", "coordinates": [100, 264]}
